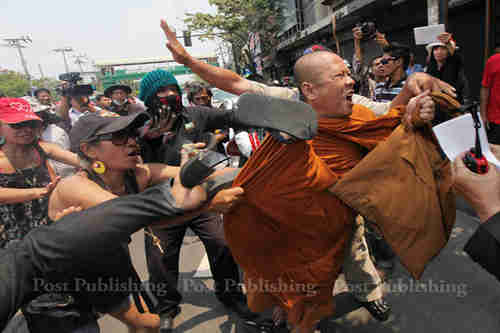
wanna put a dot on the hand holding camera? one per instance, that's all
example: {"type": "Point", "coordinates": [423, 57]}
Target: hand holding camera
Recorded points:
{"type": "Point", "coordinates": [368, 30]}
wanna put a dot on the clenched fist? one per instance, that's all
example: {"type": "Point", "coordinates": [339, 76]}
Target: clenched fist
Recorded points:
{"type": "Point", "coordinates": [420, 110]}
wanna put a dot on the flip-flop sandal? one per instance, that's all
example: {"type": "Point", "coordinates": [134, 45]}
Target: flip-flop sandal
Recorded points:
{"type": "Point", "coordinates": [194, 171]}
{"type": "Point", "coordinates": [295, 118]}
{"type": "Point", "coordinates": [221, 182]}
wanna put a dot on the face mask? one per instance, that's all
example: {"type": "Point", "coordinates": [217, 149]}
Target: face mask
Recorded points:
{"type": "Point", "coordinates": [120, 103]}
{"type": "Point", "coordinates": [171, 103]}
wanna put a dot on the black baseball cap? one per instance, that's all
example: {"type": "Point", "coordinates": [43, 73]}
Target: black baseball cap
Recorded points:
{"type": "Point", "coordinates": [91, 125]}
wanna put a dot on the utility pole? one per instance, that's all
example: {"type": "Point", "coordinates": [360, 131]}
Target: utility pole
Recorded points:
{"type": "Point", "coordinates": [20, 43]}
{"type": "Point", "coordinates": [64, 50]}
{"type": "Point", "coordinates": [41, 72]}
{"type": "Point", "coordinates": [79, 61]}
{"type": "Point", "coordinates": [437, 12]}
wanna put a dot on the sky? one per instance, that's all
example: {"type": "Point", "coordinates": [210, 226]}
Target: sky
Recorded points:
{"type": "Point", "coordinates": [101, 29]}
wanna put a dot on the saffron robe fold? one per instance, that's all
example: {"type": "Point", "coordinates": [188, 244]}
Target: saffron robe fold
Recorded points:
{"type": "Point", "coordinates": [290, 233]}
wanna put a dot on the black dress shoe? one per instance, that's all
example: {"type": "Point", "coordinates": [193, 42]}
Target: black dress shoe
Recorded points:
{"type": "Point", "coordinates": [167, 320]}
{"type": "Point", "coordinates": [267, 326]}
{"type": "Point", "coordinates": [378, 308]}
{"type": "Point", "coordinates": [237, 302]}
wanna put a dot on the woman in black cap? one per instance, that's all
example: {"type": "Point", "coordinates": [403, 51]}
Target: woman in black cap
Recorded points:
{"type": "Point", "coordinates": [112, 167]}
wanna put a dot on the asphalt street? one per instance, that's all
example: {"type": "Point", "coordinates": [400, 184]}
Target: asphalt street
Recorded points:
{"type": "Point", "coordinates": [453, 295]}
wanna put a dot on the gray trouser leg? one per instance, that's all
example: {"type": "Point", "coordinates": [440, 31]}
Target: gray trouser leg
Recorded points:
{"type": "Point", "coordinates": [360, 273]}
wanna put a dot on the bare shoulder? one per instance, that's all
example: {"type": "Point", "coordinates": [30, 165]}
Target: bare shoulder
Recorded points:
{"type": "Point", "coordinates": [75, 181]}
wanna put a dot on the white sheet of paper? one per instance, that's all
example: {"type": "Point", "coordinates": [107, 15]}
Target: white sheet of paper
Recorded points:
{"type": "Point", "coordinates": [458, 135]}
{"type": "Point", "coordinates": [428, 34]}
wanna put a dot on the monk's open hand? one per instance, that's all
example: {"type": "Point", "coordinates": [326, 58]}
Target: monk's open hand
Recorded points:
{"type": "Point", "coordinates": [420, 109]}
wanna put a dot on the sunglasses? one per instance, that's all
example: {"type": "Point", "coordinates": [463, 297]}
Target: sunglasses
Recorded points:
{"type": "Point", "coordinates": [202, 98]}
{"type": "Point", "coordinates": [387, 60]}
{"type": "Point", "coordinates": [30, 123]}
{"type": "Point", "coordinates": [119, 138]}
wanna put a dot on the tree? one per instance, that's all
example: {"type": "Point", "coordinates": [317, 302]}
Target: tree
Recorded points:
{"type": "Point", "coordinates": [13, 84]}
{"type": "Point", "coordinates": [235, 20]}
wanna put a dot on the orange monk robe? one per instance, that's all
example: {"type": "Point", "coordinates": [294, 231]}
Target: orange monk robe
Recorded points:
{"type": "Point", "coordinates": [290, 234]}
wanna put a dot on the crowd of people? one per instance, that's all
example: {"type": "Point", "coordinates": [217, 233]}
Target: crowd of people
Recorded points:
{"type": "Point", "coordinates": [299, 209]}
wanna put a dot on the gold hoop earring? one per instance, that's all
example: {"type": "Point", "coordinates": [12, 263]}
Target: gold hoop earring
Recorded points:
{"type": "Point", "coordinates": [98, 167]}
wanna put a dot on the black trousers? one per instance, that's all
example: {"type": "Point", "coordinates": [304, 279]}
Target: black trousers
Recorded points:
{"type": "Point", "coordinates": [164, 267]}
{"type": "Point", "coordinates": [83, 245]}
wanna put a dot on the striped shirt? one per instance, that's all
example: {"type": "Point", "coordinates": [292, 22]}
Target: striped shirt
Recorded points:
{"type": "Point", "coordinates": [385, 92]}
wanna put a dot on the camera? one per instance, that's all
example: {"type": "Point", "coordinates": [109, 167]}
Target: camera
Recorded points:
{"type": "Point", "coordinates": [73, 88]}
{"type": "Point", "coordinates": [368, 29]}
{"type": "Point", "coordinates": [72, 78]}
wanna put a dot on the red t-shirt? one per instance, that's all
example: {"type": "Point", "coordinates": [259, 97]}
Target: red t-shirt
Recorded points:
{"type": "Point", "coordinates": [491, 79]}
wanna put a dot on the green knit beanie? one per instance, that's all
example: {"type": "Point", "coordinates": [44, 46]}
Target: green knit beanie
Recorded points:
{"type": "Point", "coordinates": [153, 81]}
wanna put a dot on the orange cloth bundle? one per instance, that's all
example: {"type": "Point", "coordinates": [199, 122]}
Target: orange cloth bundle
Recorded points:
{"type": "Point", "coordinates": [290, 233]}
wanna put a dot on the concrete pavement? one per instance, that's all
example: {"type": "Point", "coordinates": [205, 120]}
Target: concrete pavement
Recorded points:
{"type": "Point", "coordinates": [454, 295]}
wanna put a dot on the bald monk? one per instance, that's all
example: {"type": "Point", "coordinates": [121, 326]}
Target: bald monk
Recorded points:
{"type": "Point", "coordinates": [290, 234]}
{"type": "Point", "coordinates": [359, 269]}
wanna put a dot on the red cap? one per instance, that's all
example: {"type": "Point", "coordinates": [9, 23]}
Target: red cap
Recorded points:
{"type": "Point", "coordinates": [16, 110]}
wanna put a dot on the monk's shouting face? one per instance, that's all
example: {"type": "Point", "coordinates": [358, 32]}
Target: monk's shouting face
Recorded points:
{"type": "Point", "coordinates": [326, 84]}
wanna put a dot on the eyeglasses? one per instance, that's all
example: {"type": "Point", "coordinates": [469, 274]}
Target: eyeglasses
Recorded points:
{"type": "Point", "coordinates": [30, 123]}
{"type": "Point", "coordinates": [385, 61]}
{"type": "Point", "coordinates": [119, 138]}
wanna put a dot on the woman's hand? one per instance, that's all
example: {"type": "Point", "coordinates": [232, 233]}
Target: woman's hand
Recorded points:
{"type": "Point", "coordinates": [186, 198]}
{"type": "Point", "coordinates": [444, 38]}
{"type": "Point", "coordinates": [47, 190]}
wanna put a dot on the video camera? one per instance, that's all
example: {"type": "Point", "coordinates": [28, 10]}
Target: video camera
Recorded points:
{"type": "Point", "coordinates": [368, 29]}
{"type": "Point", "coordinates": [73, 88]}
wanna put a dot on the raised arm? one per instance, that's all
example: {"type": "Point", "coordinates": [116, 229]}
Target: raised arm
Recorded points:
{"type": "Point", "coordinates": [57, 153]}
{"type": "Point", "coordinates": [219, 77]}
{"type": "Point", "coordinates": [416, 84]}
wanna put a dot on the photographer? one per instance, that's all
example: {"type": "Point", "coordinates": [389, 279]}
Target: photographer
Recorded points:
{"type": "Point", "coordinates": [75, 99]}
{"type": "Point", "coordinates": [367, 76]}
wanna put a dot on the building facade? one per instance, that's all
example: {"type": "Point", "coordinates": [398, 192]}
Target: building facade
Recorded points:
{"type": "Point", "coordinates": [309, 22]}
